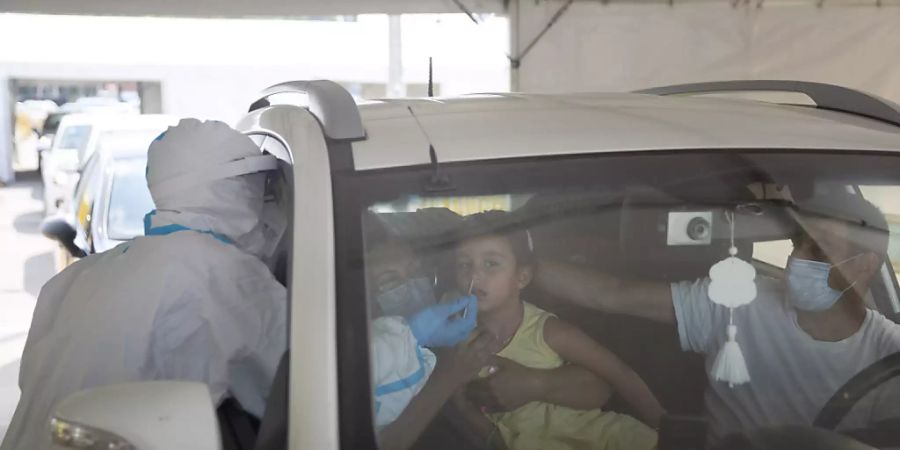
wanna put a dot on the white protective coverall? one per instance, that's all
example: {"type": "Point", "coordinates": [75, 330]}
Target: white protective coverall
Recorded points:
{"type": "Point", "coordinates": [190, 301]}
{"type": "Point", "coordinates": [400, 368]}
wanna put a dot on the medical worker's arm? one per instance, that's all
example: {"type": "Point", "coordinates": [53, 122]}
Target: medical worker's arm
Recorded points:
{"type": "Point", "coordinates": [478, 422]}
{"type": "Point", "coordinates": [607, 293]}
{"type": "Point", "coordinates": [514, 385]}
{"type": "Point", "coordinates": [229, 334]}
{"type": "Point", "coordinates": [454, 368]}
{"type": "Point", "coordinates": [46, 308]}
{"type": "Point", "coordinates": [578, 348]}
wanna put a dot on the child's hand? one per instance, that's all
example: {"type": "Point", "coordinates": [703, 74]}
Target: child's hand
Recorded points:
{"type": "Point", "coordinates": [465, 360]}
{"type": "Point", "coordinates": [512, 386]}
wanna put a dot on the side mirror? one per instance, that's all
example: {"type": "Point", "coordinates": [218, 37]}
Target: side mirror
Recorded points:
{"type": "Point", "coordinates": [153, 415]}
{"type": "Point", "coordinates": [59, 229]}
{"type": "Point", "coordinates": [44, 143]}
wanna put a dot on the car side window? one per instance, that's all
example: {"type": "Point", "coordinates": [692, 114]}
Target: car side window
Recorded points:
{"type": "Point", "coordinates": [774, 253]}
{"type": "Point", "coordinates": [887, 199]}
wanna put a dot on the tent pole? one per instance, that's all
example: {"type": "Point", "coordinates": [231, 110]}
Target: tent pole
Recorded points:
{"type": "Point", "coordinates": [512, 12]}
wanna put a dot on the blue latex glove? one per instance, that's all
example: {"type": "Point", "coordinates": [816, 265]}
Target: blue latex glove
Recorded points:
{"type": "Point", "coordinates": [435, 326]}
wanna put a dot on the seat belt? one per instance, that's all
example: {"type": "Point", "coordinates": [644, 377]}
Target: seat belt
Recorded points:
{"type": "Point", "coordinates": [273, 429]}
{"type": "Point", "coordinates": [237, 427]}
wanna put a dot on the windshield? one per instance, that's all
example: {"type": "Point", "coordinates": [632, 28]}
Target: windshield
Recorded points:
{"type": "Point", "coordinates": [122, 142]}
{"type": "Point", "coordinates": [52, 123]}
{"type": "Point", "coordinates": [75, 137]}
{"type": "Point", "coordinates": [128, 140]}
{"type": "Point", "coordinates": [589, 282]}
{"type": "Point", "coordinates": [129, 199]}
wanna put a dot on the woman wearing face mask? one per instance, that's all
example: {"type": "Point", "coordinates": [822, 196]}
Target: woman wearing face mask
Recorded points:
{"type": "Point", "coordinates": [410, 383]}
{"type": "Point", "coordinates": [802, 338]}
{"type": "Point", "coordinates": [398, 283]}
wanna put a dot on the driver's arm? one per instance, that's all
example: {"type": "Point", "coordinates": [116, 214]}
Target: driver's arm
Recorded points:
{"type": "Point", "coordinates": [572, 386]}
{"type": "Point", "coordinates": [514, 385]}
{"type": "Point", "coordinates": [649, 300]}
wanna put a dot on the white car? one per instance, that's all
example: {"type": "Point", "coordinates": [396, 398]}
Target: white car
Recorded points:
{"type": "Point", "coordinates": [642, 185]}
{"type": "Point", "coordinates": [78, 136]}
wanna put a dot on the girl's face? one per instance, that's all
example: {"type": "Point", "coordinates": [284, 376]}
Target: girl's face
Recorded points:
{"type": "Point", "coordinates": [489, 265]}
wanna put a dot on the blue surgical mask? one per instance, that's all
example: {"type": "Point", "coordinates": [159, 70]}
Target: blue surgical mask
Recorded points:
{"type": "Point", "coordinates": [807, 284]}
{"type": "Point", "coordinates": [408, 298]}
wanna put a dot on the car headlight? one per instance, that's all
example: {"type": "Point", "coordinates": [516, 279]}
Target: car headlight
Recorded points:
{"type": "Point", "coordinates": [76, 436]}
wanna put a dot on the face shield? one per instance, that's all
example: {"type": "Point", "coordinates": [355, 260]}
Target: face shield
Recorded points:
{"type": "Point", "coordinates": [208, 177]}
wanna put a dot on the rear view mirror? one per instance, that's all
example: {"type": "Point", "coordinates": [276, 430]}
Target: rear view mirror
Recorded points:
{"type": "Point", "coordinates": [60, 230]}
{"type": "Point", "coordinates": [153, 415]}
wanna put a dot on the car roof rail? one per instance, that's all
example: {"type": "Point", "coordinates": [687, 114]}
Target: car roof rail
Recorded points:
{"type": "Point", "coordinates": [329, 102]}
{"type": "Point", "coordinates": [825, 96]}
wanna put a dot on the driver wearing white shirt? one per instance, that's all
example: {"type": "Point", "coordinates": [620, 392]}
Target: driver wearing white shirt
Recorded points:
{"type": "Point", "coordinates": [802, 338]}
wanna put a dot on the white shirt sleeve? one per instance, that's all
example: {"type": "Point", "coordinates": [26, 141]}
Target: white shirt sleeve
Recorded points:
{"type": "Point", "coordinates": [698, 318]}
{"type": "Point", "coordinates": [886, 399]}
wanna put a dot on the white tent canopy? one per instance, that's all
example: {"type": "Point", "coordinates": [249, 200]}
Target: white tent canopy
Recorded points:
{"type": "Point", "coordinates": [628, 45]}
{"type": "Point", "coordinates": [240, 8]}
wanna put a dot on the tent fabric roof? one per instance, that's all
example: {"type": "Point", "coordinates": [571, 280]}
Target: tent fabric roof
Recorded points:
{"type": "Point", "coordinates": [241, 9]}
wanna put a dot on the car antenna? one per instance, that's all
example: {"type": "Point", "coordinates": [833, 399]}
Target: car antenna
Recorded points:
{"type": "Point", "coordinates": [430, 80]}
{"type": "Point", "coordinates": [437, 181]}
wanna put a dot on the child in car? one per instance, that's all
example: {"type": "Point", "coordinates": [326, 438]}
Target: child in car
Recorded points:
{"type": "Point", "coordinates": [495, 263]}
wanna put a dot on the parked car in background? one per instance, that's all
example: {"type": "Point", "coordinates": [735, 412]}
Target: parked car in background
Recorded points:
{"type": "Point", "coordinates": [79, 136]}
{"type": "Point", "coordinates": [82, 105]}
{"type": "Point", "coordinates": [110, 199]}
{"type": "Point", "coordinates": [31, 116]}
{"type": "Point", "coordinates": [48, 131]}
{"type": "Point", "coordinates": [97, 104]}
{"type": "Point", "coordinates": [25, 140]}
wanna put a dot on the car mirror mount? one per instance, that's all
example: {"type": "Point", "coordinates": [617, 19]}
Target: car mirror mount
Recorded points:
{"type": "Point", "coordinates": [60, 230]}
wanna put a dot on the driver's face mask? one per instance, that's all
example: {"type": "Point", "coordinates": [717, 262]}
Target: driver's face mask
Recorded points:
{"type": "Point", "coordinates": [807, 284]}
{"type": "Point", "coordinates": [408, 298]}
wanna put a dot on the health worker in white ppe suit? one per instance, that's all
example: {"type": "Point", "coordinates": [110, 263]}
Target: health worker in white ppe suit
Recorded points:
{"type": "Point", "coordinates": [191, 300]}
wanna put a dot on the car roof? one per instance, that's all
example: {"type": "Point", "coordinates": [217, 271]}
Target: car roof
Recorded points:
{"type": "Point", "coordinates": [108, 120]}
{"type": "Point", "coordinates": [491, 126]}
{"type": "Point", "coordinates": [116, 152]}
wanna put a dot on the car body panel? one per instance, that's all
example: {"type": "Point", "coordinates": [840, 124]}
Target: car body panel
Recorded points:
{"type": "Point", "coordinates": [495, 126]}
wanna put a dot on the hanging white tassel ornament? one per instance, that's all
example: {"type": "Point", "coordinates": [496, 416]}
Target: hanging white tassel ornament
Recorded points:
{"type": "Point", "coordinates": [729, 365]}
{"type": "Point", "coordinates": [732, 284]}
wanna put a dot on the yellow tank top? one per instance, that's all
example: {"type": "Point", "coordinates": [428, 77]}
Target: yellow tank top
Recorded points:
{"type": "Point", "coordinates": [542, 426]}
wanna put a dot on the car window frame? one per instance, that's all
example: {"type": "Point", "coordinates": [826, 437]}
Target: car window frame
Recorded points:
{"type": "Point", "coordinates": [355, 191]}
{"type": "Point", "coordinates": [88, 183]}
